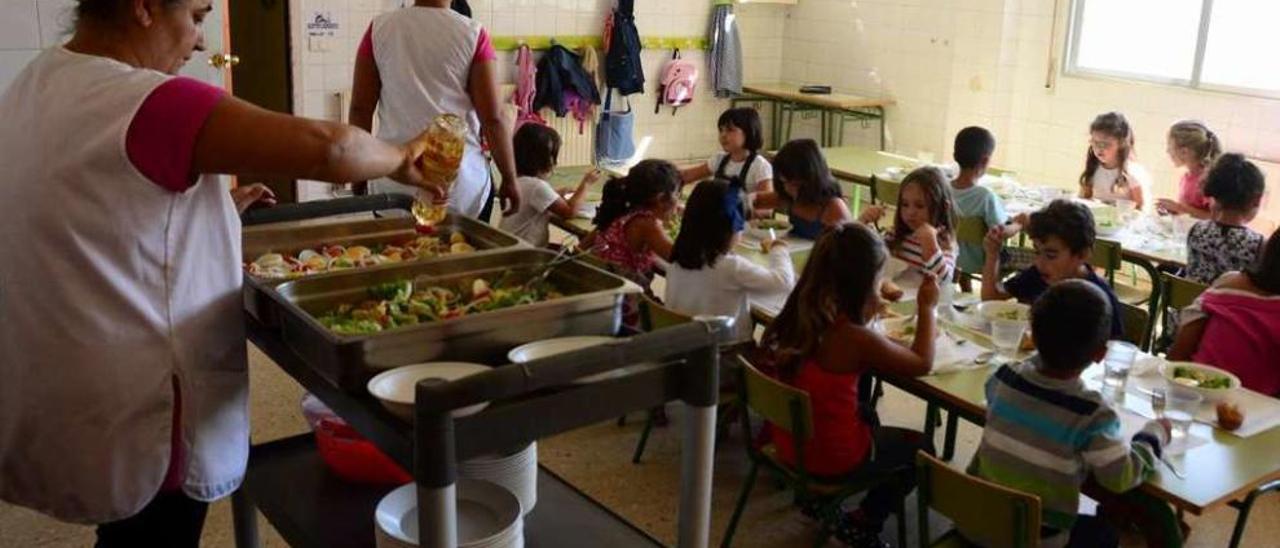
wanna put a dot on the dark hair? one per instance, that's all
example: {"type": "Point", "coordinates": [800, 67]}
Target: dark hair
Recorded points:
{"type": "Point", "coordinates": [937, 194]}
{"type": "Point", "coordinates": [801, 162]}
{"type": "Point", "coordinates": [106, 10]}
{"type": "Point", "coordinates": [537, 149]}
{"type": "Point", "coordinates": [1195, 136]}
{"type": "Point", "coordinates": [1115, 125]}
{"type": "Point", "coordinates": [1265, 272]}
{"type": "Point", "coordinates": [840, 278]}
{"type": "Point", "coordinates": [706, 232]}
{"type": "Point", "coordinates": [1070, 221]}
{"type": "Point", "coordinates": [972, 145]}
{"type": "Point", "coordinates": [1234, 183]}
{"type": "Point", "coordinates": [747, 120]}
{"type": "Point", "coordinates": [647, 181]}
{"type": "Point", "coordinates": [1071, 322]}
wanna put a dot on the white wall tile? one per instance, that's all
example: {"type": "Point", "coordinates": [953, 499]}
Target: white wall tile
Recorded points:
{"type": "Point", "coordinates": [19, 25]}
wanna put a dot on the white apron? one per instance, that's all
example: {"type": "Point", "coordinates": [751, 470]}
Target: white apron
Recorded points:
{"type": "Point", "coordinates": [424, 60]}
{"type": "Point", "coordinates": [110, 287]}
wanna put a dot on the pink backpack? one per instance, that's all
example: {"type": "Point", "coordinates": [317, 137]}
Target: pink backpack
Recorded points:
{"type": "Point", "coordinates": [526, 87]}
{"type": "Point", "coordinates": [679, 80]}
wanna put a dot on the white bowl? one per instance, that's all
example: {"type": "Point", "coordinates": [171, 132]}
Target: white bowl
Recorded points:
{"type": "Point", "coordinates": [395, 388]}
{"type": "Point", "coordinates": [993, 310]}
{"type": "Point", "coordinates": [1108, 230]}
{"type": "Point", "coordinates": [1212, 395]}
{"type": "Point", "coordinates": [517, 472]}
{"type": "Point", "coordinates": [488, 516]}
{"type": "Point", "coordinates": [902, 329]}
{"type": "Point", "coordinates": [551, 347]}
{"type": "Point", "coordinates": [780, 228]}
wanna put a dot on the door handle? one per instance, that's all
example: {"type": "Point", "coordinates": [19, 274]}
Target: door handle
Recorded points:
{"type": "Point", "coordinates": [223, 60]}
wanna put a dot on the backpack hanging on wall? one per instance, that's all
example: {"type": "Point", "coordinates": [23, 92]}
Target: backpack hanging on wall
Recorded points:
{"type": "Point", "coordinates": [526, 88]}
{"type": "Point", "coordinates": [622, 68]}
{"type": "Point", "coordinates": [679, 80]}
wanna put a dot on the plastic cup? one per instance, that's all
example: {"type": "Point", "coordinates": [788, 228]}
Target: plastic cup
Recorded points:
{"type": "Point", "coordinates": [1120, 358]}
{"type": "Point", "coordinates": [1007, 335]}
{"type": "Point", "coordinates": [1181, 407]}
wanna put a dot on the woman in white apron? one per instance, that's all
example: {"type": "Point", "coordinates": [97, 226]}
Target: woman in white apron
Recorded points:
{"type": "Point", "coordinates": [123, 385]}
{"type": "Point", "coordinates": [425, 60]}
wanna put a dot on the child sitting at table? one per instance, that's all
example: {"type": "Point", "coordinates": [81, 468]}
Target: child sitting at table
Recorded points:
{"type": "Point", "coordinates": [1045, 433]}
{"type": "Point", "coordinates": [822, 342]}
{"type": "Point", "coordinates": [1062, 234]}
{"type": "Point", "coordinates": [1192, 145]}
{"type": "Point", "coordinates": [1235, 325]}
{"type": "Point", "coordinates": [739, 161]}
{"type": "Point", "coordinates": [629, 222]}
{"type": "Point", "coordinates": [924, 223]}
{"type": "Point", "coordinates": [1110, 171]}
{"type": "Point", "coordinates": [811, 196]}
{"type": "Point", "coordinates": [706, 277]}
{"type": "Point", "coordinates": [1224, 243]}
{"type": "Point", "coordinates": [537, 148]}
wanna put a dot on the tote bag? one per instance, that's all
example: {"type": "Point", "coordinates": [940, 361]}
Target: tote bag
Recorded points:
{"type": "Point", "coordinates": [615, 143]}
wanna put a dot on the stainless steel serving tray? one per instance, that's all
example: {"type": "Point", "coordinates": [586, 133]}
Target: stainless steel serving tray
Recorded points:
{"type": "Point", "coordinates": [292, 237]}
{"type": "Point", "coordinates": [592, 305]}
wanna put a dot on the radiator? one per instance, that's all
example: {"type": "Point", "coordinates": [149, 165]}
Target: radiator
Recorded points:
{"type": "Point", "coordinates": [577, 146]}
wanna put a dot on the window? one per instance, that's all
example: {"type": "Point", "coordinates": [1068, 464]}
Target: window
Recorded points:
{"type": "Point", "coordinates": [1226, 45]}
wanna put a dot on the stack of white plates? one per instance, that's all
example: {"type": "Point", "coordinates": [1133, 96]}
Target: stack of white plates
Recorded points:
{"type": "Point", "coordinates": [517, 472]}
{"type": "Point", "coordinates": [488, 517]}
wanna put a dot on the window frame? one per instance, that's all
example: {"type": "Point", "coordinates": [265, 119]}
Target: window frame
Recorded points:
{"type": "Point", "coordinates": [1072, 47]}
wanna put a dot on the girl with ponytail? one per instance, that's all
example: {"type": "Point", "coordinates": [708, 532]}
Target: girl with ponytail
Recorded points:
{"type": "Point", "coordinates": [630, 232]}
{"type": "Point", "coordinates": [1194, 146]}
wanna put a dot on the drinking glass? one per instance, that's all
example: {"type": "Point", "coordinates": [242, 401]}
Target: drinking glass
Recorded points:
{"type": "Point", "coordinates": [1180, 408]}
{"type": "Point", "coordinates": [1007, 335]}
{"type": "Point", "coordinates": [1120, 357]}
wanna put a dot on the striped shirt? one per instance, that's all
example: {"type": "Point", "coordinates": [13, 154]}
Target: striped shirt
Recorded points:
{"type": "Point", "coordinates": [1045, 436]}
{"type": "Point", "coordinates": [942, 263]}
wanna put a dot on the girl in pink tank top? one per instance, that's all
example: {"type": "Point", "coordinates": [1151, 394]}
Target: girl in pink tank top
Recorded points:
{"type": "Point", "coordinates": [823, 343]}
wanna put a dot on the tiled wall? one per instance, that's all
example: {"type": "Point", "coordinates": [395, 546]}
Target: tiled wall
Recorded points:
{"type": "Point", "coordinates": [26, 27]}
{"type": "Point", "coordinates": [953, 63]}
{"type": "Point", "coordinates": [690, 133]}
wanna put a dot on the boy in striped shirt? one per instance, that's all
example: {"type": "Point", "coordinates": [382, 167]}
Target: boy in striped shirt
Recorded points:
{"type": "Point", "coordinates": [1046, 433]}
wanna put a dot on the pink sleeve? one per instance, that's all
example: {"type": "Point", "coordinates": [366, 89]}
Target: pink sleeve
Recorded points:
{"type": "Point", "coordinates": [161, 140]}
{"type": "Point", "coordinates": [484, 49]}
{"type": "Point", "coordinates": [366, 44]}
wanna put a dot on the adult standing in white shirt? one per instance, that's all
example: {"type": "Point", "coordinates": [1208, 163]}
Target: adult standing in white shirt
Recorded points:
{"type": "Point", "coordinates": [425, 60]}
{"type": "Point", "coordinates": [124, 399]}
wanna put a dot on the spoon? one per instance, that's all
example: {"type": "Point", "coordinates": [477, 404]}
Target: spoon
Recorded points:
{"type": "Point", "coordinates": [1179, 473]}
{"type": "Point", "coordinates": [984, 358]}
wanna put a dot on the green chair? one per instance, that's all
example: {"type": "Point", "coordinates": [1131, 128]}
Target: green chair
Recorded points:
{"type": "Point", "coordinates": [884, 191]}
{"type": "Point", "coordinates": [1108, 255]}
{"type": "Point", "coordinates": [653, 316]}
{"type": "Point", "coordinates": [789, 408]}
{"type": "Point", "coordinates": [1176, 293]}
{"type": "Point", "coordinates": [1137, 325]}
{"type": "Point", "coordinates": [999, 516]}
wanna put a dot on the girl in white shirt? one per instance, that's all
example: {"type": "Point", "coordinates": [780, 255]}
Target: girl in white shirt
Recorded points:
{"type": "Point", "coordinates": [537, 151]}
{"type": "Point", "coordinates": [706, 276]}
{"type": "Point", "coordinates": [1110, 172]}
{"type": "Point", "coordinates": [739, 161]}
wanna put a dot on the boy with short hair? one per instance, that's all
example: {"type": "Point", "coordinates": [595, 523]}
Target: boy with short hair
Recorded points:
{"type": "Point", "coordinates": [1046, 433]}
{"type": "Point", "coordinates": [972, 151]}
{"type": "Point", "coordinates": [1062, 234]}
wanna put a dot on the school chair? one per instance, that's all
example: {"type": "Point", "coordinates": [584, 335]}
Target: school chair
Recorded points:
{"type": "Point", "coordinates": [1137, 325]}
{"type": "Point", "coordinates": [653, 316]}
{"type": "Point", "coordinates": [884, 191]}
{"type": "Point", "coordinates": [999, 516]}
{"type": "Point", "coordinates": [1176, 293]}
{"type": "Point", "coordinates": [970, 230]}
{"type": "Point", "coordinates": [1109, 256]}
{"type": "Point", "coordinates": [790, 409]}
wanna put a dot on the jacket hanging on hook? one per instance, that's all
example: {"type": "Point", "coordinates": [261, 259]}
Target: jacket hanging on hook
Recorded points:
{"type": "Point", "coordinates": [622, 67]}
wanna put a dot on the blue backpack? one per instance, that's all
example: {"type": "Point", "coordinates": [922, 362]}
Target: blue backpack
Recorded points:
{"type": "Point", "coordinates": [622, 69]}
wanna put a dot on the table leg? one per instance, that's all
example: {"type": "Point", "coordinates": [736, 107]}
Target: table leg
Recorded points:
{"type": "Point", "coordinates": [882, 130]}
{"type": "Point", "coordinates": [1238, 533]}
{"type": "Point", "coordinates": [244, 519]}
{"type": "Point", "coordinates": [697, 456]}
{"type": "Point", "coordinates": [438, 525]}
{"type": "Point", "coordinates": [825, 128]}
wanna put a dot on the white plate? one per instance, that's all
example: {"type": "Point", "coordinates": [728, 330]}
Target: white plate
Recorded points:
{"type": "Point", "coordinates": [395, 388]}
{"type": "Point", "coordinates": [990, 309]}
{"type": "Point", "coordinates": [551, 347]}
{"type": "Point", "coordinates": [488, 515]}
{"type": "Point", "coordinates": [1211, 395]}
{"type": "Point", "coordinates": [518, 472]}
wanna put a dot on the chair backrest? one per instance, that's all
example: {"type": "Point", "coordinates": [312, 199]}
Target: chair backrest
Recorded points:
{"type": "Point", "coordinates": [1107, 256]}
{"type": "Point", "coordinates": [787, 407]}
{"type": "Point", "coordinates": [984, 512]}
{"type": "Point", "coordinates": [1179, 292]}
{"type": "Point", "coordinates": [971, 230]}
{"type": "Point", "coordinates": [654, 316]}
{"type": "Point", "coordinates": [1137, 325]}
{"type": "Point", "coordinates": [885, 191]}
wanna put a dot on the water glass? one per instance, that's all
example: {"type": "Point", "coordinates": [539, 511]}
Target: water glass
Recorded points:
{"type": "Point", "coordinates": [1007, 335]}
{"type": "Point", "coordinates": [1120, 358]}
{"type": "Point", "coordinates": [1181, 406]}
